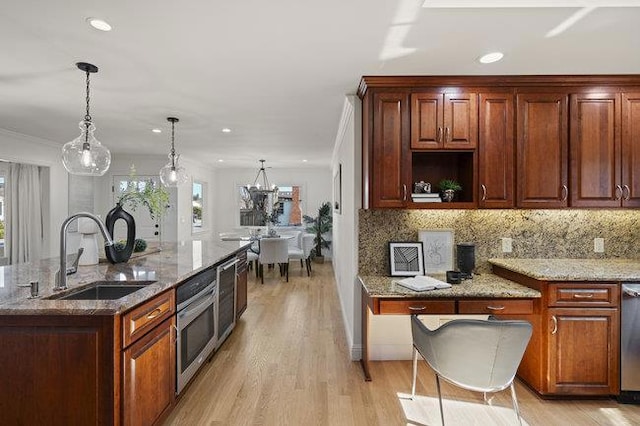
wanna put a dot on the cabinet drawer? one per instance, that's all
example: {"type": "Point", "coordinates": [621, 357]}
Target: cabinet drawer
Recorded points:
{"type": "Point", "coordinates": [413, 306]}
{"type": "Point", "coordinates": [496, 306]}
{"type": "Point", "coordinates": [584, 294]}
{"type": "Point", "coordinates": [137, 322]}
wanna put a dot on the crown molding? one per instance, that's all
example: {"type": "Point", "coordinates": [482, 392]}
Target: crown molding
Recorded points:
{"type": "Point", "coordinates": [28, 138]}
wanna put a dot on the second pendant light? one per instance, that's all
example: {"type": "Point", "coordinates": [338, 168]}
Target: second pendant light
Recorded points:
{"type": "Point", "coordinates": [172, 174]}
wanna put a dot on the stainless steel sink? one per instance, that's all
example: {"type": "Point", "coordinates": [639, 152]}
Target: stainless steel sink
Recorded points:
{"type": "Point", "coordinates": [103, 290]}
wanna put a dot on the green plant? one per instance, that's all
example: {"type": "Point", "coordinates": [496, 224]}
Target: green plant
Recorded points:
{"type": "Point", "coordinates": [449, 184]}
{"type": "Point", "coordinates": [153, 196]}
{"type": "Point", "coordinates": [139, 245]}
{"type": "Point", "coordinates": [1, 229]}
{"type": "Point", "coordinates": [320, 225]}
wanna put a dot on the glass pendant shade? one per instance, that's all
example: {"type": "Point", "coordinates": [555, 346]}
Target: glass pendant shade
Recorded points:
{"type": "Point", "coordinates": [173, 174]}
{"type": "Point", "coordinates": [85, 155]}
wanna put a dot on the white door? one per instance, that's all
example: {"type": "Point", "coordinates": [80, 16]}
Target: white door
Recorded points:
{"type": "Point", "coordinates": [146, 228]}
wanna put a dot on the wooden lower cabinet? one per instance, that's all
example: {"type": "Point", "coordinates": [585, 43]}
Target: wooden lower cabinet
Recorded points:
{"type": "Point", "coordinates": [149, 376]}
{"type": "Point", "coordinates": [583, 351]}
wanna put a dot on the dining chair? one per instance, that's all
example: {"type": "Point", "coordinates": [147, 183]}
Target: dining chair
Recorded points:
{"type": "Point", "coordinates": [477, 355]}
{"type": "Point", "coordinates": [272, 251]}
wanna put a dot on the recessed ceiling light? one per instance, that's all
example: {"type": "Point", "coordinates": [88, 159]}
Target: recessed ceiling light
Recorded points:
{"type": "Point", "coordinates": [491, 57]}
{"type": "Point", "coordinates": [156, 130]}
{"type": "Point", "coordinates": [304, 161]}
{"type": "Point", "coordinates": [226, 130]}
{"type": "Point", "coordinates": [220, 160]}
{"type": "Point", "coordinates": [99, 24]}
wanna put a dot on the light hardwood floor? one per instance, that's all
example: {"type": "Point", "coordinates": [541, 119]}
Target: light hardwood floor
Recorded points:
{"type": "Point", "coordinates": [287, 363]}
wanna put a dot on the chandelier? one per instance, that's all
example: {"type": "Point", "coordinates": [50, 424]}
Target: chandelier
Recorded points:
{"type": "Point", "coordinates": [261, 195]}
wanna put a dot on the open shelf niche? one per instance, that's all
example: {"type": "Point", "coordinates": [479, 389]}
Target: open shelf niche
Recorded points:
{"type": "Point", "coordinates": [433, 166]}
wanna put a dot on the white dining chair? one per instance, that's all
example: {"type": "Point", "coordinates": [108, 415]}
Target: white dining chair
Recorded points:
{"type": "Point", "coordinates": [304, 253]}
{"type": "Point", "coordinates": [274, 251]}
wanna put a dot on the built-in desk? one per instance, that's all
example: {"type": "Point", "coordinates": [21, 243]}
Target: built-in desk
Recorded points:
{"type": "Point", "coordinates": [484, 294]}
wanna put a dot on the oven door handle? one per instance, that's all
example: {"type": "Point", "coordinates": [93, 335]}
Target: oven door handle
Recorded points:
{"type": "Point", "coordinates": [228, 264]}
{"type": "Point", "coordinates": [196, 308]}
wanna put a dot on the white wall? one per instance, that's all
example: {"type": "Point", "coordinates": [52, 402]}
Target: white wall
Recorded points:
{"type": "Point", "coordinates": [18, 148]}
{"type": "Point", "coordinates": [347, 152]}
{"type": "Point", "coordinates": [315, 183]}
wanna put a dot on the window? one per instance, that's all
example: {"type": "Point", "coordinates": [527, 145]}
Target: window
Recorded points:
{"type": "Point", "coordinates": [286, 210]}
{"type": "Point", "coordinates": [197, 207]}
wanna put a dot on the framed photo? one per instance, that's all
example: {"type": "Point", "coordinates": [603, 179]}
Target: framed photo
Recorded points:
{"type": "Point", "coordinates": [406, 259]}
{"type": "Point", "coordinates": [337, 190]}
{"type": "Point", "coordinates": [438, 249]}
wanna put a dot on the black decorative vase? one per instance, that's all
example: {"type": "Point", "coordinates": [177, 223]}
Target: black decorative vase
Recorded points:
{"type": "Point", "coordinates": [119, 256]}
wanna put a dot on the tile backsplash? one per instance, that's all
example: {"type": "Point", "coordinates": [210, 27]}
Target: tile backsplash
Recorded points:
{"type": "Point", "coordinates": [535, 233]}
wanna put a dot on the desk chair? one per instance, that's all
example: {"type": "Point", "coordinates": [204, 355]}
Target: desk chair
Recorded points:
{"type": "Point", "coordinates": [476, 355]}
{"type": "Point", "coordinates": [274, 250]}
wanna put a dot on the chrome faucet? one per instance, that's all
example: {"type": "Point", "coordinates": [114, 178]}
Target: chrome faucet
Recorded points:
{"type": "Point", "coordinates": [61, 275]}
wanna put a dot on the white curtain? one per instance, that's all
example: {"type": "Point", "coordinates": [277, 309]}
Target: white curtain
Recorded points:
{"type": "Point", "coordinates": [25, 230]}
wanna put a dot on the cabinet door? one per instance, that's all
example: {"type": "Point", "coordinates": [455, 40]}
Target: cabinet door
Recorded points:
{"type": "Point", "coordinates": [389, 153]}
{"type": "Point", "coordinates": [460, 120]}
{"type": "Point", "coordinates": [495, 152]}
{"type": "Point", "coordinates": [426, 121]}
{"type": "Point", "coordinates": [583, 356]}
{"type": "Point", "coordinates": [542, 150]}
{"type": "Point", "coordinates": [149, 376]}
{"type": "Point", "coordinates": [631, 149]}
{"type": "Point", "coordinates": [595, 150]}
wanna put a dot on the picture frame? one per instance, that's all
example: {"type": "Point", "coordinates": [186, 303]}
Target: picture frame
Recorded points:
{"type": "Point", "coordinates": [337, 190]}
{"type": "Point", "coordinates": [438, 249]}
{"type": "Point", "coordinates": [406, 259]}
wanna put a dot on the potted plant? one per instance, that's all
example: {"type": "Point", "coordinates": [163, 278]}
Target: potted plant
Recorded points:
{"type": "Point", "coordinates": [319, 226]}
{"type": "Point", "coordinates": [448, 188]}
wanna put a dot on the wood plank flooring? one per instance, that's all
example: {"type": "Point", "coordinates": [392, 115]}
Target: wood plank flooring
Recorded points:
{"type": "Point", "coordinates": [287, 363]}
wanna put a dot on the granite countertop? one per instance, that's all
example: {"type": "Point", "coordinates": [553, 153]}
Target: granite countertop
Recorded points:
{"type": "Point", "coordinates": [482, 285]}
{"type": "Point", "coordinates": [175, 263]}
{"type": "Point", "coordinates": [574, 269]}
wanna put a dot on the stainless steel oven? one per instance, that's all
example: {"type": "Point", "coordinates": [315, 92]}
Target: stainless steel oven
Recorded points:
{"type": "Point", "coordinates": [196, 315]}
{"type": "Point", "coordinates": [227, 282]}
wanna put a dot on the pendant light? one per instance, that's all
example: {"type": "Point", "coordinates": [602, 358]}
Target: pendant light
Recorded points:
{"type": "Point", "coordinates": [173, 174]}
{"type": "Point", "coordinates": [85, 155]}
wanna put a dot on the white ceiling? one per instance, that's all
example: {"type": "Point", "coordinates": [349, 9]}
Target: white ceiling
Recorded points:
{"type": "Point", "coordinates": [274, 72]}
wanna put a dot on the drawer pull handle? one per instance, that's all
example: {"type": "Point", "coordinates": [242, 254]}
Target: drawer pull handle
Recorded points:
{"type": "Point", "coordinates": [495, 308]}
{"type": "Point", "coordinates": [417, 308]}
{"type": "Point", "coordinates": [153, 314]}
{"type": "Point", "coordinates": [484, 192]}
{"type": "Point", "coordinates": [583, 296]}
{"type": "Point", "coordinates": [555, 324]}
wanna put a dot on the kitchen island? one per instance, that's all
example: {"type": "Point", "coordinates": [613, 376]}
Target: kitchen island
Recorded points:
{"type": "Point", "coordinates": [575, 345]}
{"type": "Point", "coordinates": [96, 361]}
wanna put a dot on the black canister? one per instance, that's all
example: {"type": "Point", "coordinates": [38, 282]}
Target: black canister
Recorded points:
{"type": "Point", "coordinates": [466, 255]}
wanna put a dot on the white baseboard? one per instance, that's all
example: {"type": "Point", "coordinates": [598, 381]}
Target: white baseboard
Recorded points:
{"type": "Point", "coordinates": [356, 352]}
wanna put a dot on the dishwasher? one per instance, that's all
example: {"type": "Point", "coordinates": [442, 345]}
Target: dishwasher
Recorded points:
{"type": "Point", "coordinates": [630, 344]}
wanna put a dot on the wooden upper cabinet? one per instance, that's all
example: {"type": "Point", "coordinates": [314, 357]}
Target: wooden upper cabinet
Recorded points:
{"type": "Point", "coordinates": [444, 121]}
{"type": "Point", "coordinates": [389, 155]}
{"type": "Point", "coordinates": [495, 150]}
{"type": "Point", "coordinates": [426, 120]}
{"type": "Point", "coordinates": [542, 150]}
{"type": "Point", "coordinates": [595, 150]}
{"type": "Point", "coordinates": [631, 149]}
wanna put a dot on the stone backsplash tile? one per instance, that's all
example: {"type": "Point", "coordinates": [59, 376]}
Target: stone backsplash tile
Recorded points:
{"type": "Point", "coordinates": [535, 233]}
